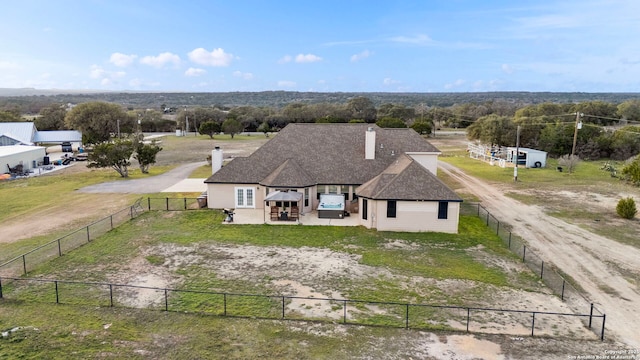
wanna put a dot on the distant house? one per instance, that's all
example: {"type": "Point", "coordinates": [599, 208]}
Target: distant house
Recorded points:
{"type": "Point", "coordinates": [385, 177]}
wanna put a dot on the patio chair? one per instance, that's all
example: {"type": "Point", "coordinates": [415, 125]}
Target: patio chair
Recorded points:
{"type": "Point", "coordinates": [294, 213]}
{"type": "Point", "coordinates": [274, 213]}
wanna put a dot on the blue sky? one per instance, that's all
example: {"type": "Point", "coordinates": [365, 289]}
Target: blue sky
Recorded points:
{"type": "Point", "coordinates": [360, 46]}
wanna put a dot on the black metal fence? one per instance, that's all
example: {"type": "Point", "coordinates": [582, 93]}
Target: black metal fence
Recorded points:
{"type": "Point", "coordinates": [26, 262]}
{"type": "Point", "coordinates": [547, 272]}
{"type": "Point", "coordinates": [176, 204]}
{"type": "Point", "coordinates": [360, 312]}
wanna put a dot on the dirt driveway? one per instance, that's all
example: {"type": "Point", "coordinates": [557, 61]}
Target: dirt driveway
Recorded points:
{"type": "Point", "coordinates": [604, 268]}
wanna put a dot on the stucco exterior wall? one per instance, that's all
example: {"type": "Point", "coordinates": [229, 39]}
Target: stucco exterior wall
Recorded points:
{"type": "Point", "coordinates": [412, 216]}
{"type": "Point", "coordinates": [221, 196]}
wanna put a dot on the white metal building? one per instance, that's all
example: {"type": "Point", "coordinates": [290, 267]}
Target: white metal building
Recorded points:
{"type": "Point", "coordinates": [29, 156]}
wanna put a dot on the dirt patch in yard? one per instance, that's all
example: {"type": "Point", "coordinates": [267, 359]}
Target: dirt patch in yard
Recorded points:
{"type": "Point", "coordinates": [315, 273]}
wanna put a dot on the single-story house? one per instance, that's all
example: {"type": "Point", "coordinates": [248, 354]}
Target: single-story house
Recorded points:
{"type": "Point", "coordinates": [385, 177]}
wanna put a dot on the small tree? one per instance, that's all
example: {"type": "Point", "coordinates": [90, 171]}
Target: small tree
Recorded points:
{"type": "Point", "coordinates": [421, 127]}
{"type": "Point", "coordinates": [146, 155]}
{"type": "Point", "coordinates": [626, 208]}
{"type": "Point", "coordinates": [115, 155]}
{"type": "Point", "coordinates": [389, 122]}
{"type": "Point", "coordinates": [232, 126]}
{"type": "Point", "coordinates": [209, 128]}
{"type": "Point", "coordinates": [264, 128]}
{"type": "Point", "coordinates": [569, 161]}
{"type": "Point", "coordinates": [631, 171]}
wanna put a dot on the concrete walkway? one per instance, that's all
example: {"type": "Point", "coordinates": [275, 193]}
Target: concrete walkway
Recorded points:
{"type": "Point", "coordinates": [154, 184]}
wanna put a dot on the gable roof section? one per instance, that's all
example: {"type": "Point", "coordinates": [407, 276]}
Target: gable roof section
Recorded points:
{"type": "Point", "coordinates": [406, 179]}
{"type": "Point", "coordinates": [288, 175]}
{"type": "Point", "coordinates": [326, 153]}
{"type": "Point", "coordinates": [8, 140]}
{"type": "Point", "coordinates": [22, 131]}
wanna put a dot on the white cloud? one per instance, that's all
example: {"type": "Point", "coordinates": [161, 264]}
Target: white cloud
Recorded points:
{"type": "Point", "coordinates": [286, 83]}
{"type": "Point", "coordinates": [455, 84]}
{"type": "Point", "coordinates": [161, 60]}
{"type": "Point", "coordinates": [7, 65]}
{"type": "Point", "coordinates": [217, 57]}
{"type": "Point", "coordinates": [122, 60]}
{"type": "Point", "coordinates": [195, 72]}
{"type": "Point", "coordinates": [418, 39]}
{"type": "Point", "coordinates": [390, 81]}
{"type": "Point", "coordinates": [285, 59]}
{"type": "Point", "coordinates": [105, 81]}
{"type": "Point", "coordinates": [363, 55]}
{"type": "Point", "coordinates": [135, 82]}
{"type": "Point", "coordinates": [240, 74]}
{"type": "Point", "coordinates": [308, 58]}
{"type": "Point", "coordinates": [507, 68]}
{"type": "Point", "coordinates": [97, 72]}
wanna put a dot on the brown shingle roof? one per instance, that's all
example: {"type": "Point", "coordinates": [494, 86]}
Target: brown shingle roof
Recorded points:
{"type": "Point", "coordinates": [327, 154]}
{"type": "Point", "coordinates": [288, 175]}
{"type": "Point", "coordinates": [406, 179]}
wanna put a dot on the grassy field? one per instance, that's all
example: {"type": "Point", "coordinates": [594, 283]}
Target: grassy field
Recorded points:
{"type": "Point", "coordinates": [443, 268]}
{"type": "Point", "coordinates": [586, 197]}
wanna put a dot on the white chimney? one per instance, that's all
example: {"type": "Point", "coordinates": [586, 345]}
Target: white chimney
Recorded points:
{"type": "Point", "coordinates": [216, 160]}
{"type": "Point", "coordinates": [370, 144]}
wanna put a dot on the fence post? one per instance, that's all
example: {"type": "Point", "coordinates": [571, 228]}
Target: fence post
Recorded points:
{"type": "Point", "coordinates": [59, 248]}
{"type": "Point", "coordinates": [131, 212]}
{"type": "Point", "coordinates": [344, 311]}
{"type": "Point", "coordinates": [225, 304]}
{"type": "Point", "coordinates": [167, 203]}
{"type": "Point", "coordinates": [88, 235]}
{"type": "Point", "coordinates": [590, 315]}
{"type": "Point", "coordinates": [283, 307]}
{"type": "Point", "coordinates": [24, 264]}
{"type": "Point", "coordinates": [478, 209]}
{"type": "Point", "coordinates": [488, 218]}
{"type": "Point", "coordinates": [533, 322]}
{"type": "Point", "coordinates": [541, 269]}
{"type": "Point", "coordinates": [57, 297]}
{"type": "Point", "coordinates": [604, 317]}
{"type": "Point", "coordinates": [111, 218]}
{"type": "Point", "coordinates": [185, 203]}
{"type": "Point", "coordinates": [498, 229]}
{"type": "Point", "coordinates": [0, 288]}
{"type": "Point", "coordinates": [509, 240]}
{"type": "Point", "coordinates": [166, 300]}
{"type": "Point", "coordinates": [149, 203]}
{"type": "Point", "coordinates": [468, 318]}
{"type": "Point", "coordinates": [110, 295]}
{"type": "Point", "coordinates": [406, 323]}
{"type": "Point", "coordinates": [562, 295]}
{"type": "Point", "coordinates": [524, 252]}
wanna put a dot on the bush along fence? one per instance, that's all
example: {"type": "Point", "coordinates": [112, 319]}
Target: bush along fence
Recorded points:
{"type": "Point", "coordinates": [357, 312]}
{"type": "Point", "coordinates": [546, 272]}
{"type": "Point", "coordinates": [22, 264]}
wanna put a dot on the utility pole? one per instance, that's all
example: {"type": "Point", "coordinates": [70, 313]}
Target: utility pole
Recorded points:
{"type": "Point", "coordinates": [186, 120]}
{"type": "Point", "coordinates": [575, 132]}
{"type": "Point", "coordinates": [515, 169]}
